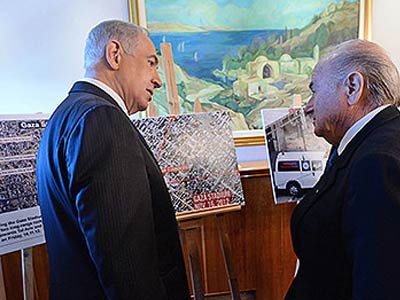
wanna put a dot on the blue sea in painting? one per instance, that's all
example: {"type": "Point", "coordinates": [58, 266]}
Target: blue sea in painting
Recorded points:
{"type": "Point", "coordinates": [200, 53]}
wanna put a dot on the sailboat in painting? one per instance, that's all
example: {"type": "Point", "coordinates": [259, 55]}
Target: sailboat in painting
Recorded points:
{"type": "Point", "coordinates": [181, 46]}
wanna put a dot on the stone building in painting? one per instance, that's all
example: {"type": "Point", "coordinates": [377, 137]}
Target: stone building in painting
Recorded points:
{"type": "Point", "coordinates": [261, 72]}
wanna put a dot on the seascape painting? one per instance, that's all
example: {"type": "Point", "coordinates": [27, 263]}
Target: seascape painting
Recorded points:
{"type": "Point", "coordinates": [243, 56]}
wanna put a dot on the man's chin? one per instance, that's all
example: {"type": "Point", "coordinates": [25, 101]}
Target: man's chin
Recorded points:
{"type": "Point", "coordinates": [317, 132]}
{"type": "Point", "coordinates": [142, 108]}
{"type": "Point", "coordinates": [138, 109]}
{"type": "Point", "coordinates": [320, 134]}
{"type": "Point", "coordinates": [144, 105]}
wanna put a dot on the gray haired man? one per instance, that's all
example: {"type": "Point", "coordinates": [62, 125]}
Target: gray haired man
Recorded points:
{"type": "Point", "coordinates": [110, 226]}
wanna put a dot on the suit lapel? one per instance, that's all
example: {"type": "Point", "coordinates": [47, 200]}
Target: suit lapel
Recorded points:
{"type": "Point", "coordinates": [328, 178]}
{"type": "Point", "coordinates": [144, 142]}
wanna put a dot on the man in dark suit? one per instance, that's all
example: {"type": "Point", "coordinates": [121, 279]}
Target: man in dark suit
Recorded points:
{"type": "Point", "coordinates": [109, 223]}
{"type": "Point", "coordinates": [346, 231]}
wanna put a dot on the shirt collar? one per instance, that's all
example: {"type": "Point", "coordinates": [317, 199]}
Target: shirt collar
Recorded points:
{"type": "Point", "coordinates": [357, 126]}
{"type": "Point", "coordinates": [109, 91]}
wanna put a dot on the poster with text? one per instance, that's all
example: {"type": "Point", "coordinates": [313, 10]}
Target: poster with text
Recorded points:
{"type": "Point", "coordinates": [197, 157]}
{"type": "Point", "coordinates": [20, 217]}
{"type": "Point", "coordinates": [296, 156]}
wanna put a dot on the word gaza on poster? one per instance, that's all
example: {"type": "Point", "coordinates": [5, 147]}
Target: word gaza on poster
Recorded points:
{"type": "Point", "coordinates": [197, 157]}
{"type": "Point", "coordinates": [20, 217]}
{"type": "Point", "coordinates": [296, 156]}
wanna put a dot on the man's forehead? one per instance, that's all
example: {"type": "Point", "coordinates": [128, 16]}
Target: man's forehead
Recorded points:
{"type": "Point", "coordinates": [314, 80]}
{"type": "Point", "coordinates": [146, 43]}
{"type": "Point", "coordinates": [317, 69]}
{"type": "Point", "coordinates": [318, 72]}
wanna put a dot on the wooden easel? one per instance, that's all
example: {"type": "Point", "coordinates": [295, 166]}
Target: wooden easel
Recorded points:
{"type": "Point", "coordinates": [28, 280]}
{"type": "Point", "coordinates": [170, 79]}
{"type": "Point", "coordinates": [2, 282]}
{"type": "Point", "coordinates": [189, 231]}
{"type": "Point", "coordinates": [189, 239]}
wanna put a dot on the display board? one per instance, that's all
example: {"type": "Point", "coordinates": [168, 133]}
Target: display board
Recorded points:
{"type": "Point", "coordinates": [197, 157]}
{"type": "Point", "coordinates": [20, 217]}
{"type": "Point", "coordinates": [195, 152]}
{"type": "Point", "coordinates": [296, 156]}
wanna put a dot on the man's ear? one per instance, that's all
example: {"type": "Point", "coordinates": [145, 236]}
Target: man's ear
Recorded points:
{"type": "Point", "coordinates": [113, 54]}
{"type": "Point", "coordinates": [354, 84]}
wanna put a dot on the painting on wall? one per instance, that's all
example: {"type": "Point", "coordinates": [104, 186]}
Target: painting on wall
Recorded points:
{"type": "Point", "coordinates": [243, 56]}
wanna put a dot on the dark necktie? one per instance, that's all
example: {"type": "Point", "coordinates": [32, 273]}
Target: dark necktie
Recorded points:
{"type": "Point", "coordinates": [333, 155]}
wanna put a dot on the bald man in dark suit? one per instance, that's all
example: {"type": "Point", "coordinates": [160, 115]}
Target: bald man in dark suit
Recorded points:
{"type": "Point", "coordinates": [346, 230]}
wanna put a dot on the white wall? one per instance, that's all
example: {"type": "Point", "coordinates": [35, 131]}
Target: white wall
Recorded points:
{"type": "Point", "coordinates": [41, 50]}
{"type": "Point", "coordinates": [386, 26]}
{"type": "Point", "coordinates": [42, 42]}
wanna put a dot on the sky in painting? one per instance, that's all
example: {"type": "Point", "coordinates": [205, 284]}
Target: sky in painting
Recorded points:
{"type": "Point", "coordinates": [237, 14]}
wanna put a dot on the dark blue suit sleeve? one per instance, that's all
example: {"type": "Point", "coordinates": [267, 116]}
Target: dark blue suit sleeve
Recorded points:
{"type": "Point", "coordinates": [372, 227]}
{"type": "Point", "coordinates": [110, 187]}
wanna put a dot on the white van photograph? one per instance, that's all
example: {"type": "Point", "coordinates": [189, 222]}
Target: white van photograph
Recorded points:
{"type": "Point", "coordinates": [297, 171]}
{"type": "Point", "coordinates": [296, 156]}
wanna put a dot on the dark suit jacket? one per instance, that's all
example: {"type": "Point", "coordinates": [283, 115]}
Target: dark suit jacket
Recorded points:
{"type": "Point", "coordinates": [346, 231]}
{"type": "Point", "coordinates": [109, 223]}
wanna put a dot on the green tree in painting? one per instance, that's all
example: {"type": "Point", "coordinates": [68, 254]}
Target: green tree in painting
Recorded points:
{"type": "Point", "coordinates": [320, 37]}
{"type": "Point", "coordinates": [321, 31]}
{"type": "Point", "coordinates": [274, 53]}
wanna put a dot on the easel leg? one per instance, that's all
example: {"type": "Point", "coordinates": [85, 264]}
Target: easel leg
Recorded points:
{"type": "Point", "coordinates": [2, 282]}
{"type": "Point", "coordinates": [194, 264]}
{"type": "Point", "coordinates": [227, 253]}
{"type": "Point", "coordinates": [27, 273]}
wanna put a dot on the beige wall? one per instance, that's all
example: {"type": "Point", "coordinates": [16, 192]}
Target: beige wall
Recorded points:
{"type": "Point", "coordinates": [42, 49]}
{"type": "Point", "coordinates": [42, 46]}
{"type": "Point", "coordinates": [386, 26]}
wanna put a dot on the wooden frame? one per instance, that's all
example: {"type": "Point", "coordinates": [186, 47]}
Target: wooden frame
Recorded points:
{"type": "Point", "coordinates": [137, 14]}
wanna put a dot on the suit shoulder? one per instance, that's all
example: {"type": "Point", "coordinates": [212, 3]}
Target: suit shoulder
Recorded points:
{"type": "Point", "coordinates": [82, 102]}
{"type": "Point", "coordinates": [385, 136]}
{"type": "Point", "coordinates": [384, 140]}
{"type": "Point", "coordinates": [75, 106]}
{"type": "Point", "coordinates": [75, 109]}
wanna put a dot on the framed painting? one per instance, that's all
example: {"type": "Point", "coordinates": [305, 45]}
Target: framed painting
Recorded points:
{"type": "Point", "coordinates": [246, 55]}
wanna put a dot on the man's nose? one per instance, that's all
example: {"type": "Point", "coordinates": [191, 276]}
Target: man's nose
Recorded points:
{"type": "Point", "coordinates": [309, 108]}
{"type": "Point", "coordinates": [157, 81]}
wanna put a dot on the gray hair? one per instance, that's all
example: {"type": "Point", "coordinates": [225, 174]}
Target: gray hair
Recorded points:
{"type": "Point", "coordinates": [126, 33]}
{"type": "Point", "coordinates": [382, 80]}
